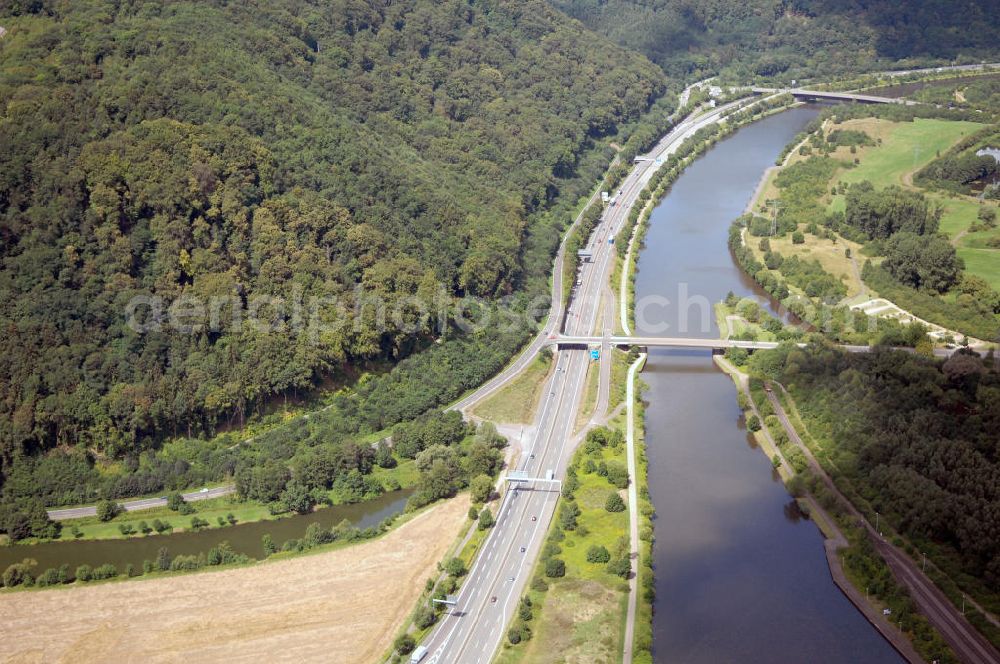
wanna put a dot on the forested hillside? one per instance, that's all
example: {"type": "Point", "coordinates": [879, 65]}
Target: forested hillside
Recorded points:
{"type": "Point", "coordinates": [292, 148]}
{"type": "Point", "coordinates": [914, 437]}
{"type": "Point", "coordinates": [793, 38]}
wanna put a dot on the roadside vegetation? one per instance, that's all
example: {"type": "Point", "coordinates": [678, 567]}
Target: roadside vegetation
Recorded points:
{"type": "Point", "coordinates": [575, 605]}
{"type": "Point", "coordinates": [516, 402]}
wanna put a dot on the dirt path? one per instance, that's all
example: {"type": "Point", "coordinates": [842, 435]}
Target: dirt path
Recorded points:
{"type": "Point", "coordinates": [341, 606]}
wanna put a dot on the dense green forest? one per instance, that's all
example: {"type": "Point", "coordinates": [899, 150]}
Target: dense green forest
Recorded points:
{"type": "Point", "coordinates": [793, 38]}
{"type": "Point", "coordinates": [293, 149]}
{"type": "Point", "coordinates": [914, 437]}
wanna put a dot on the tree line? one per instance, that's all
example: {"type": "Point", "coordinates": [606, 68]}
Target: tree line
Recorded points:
{"type": "Point", "coordinates": [915, 437]}
{"type": "Point", "coordinates": [222, 150]}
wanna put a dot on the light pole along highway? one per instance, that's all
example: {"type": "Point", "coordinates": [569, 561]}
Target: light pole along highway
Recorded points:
{"type": "Point", "coordinates": [471, 631]}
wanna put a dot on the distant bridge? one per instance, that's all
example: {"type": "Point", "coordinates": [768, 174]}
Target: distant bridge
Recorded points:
{"type": "Point", "coordinates": [675, 342]}
{"type": "Point", "coordinates": [800, 93]}
{"type": "Point", "coordinates": [715, 345]}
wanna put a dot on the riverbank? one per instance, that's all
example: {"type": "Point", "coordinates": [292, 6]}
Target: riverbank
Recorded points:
{"type": "Point", "coordinates": [282, 610]}
{"type": "Point", "coordinates": [834, 539]}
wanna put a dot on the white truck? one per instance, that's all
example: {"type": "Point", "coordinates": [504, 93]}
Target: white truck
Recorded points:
{"type": "Point", "coordinates": [418, 654]}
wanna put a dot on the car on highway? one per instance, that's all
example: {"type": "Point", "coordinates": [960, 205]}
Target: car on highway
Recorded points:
{"type": "Point", "coordinates": [493, 600]}
{"type": "Point", "coordinates": [534, 518]}
{"type": "Point", "coordinates": [523, 549]}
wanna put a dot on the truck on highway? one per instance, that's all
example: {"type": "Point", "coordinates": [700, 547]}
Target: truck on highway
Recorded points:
{"type": "Point", "coordinates": [418, 654]}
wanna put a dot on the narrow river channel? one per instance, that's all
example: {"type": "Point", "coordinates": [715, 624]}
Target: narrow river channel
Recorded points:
{"type": "Point", "coordinates": [740, 575]}
{"type": "Point", "coordinates": [243, 537]}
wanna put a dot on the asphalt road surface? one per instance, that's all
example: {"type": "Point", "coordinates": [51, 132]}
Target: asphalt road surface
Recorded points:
{"type": "Point", "coordinates": [472, 630]}
{"type": "Point", "coordinates": [142, 503]}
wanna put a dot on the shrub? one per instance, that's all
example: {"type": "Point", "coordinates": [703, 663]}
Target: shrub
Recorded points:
{"type": "Point", "coordinates": [486, 519]}
{"type": "Point", "coordinates": [83, 573]}
{"type": "Point", "coordinates": [108, 509]}
{"type": "Point", "coordinates": [598, 554]}
{"type": "Point", "coordinates": [753, 423]}
{"type": "Point", "coordinates": [517, 633]}
{"type": "Point", "coordinates": [106, 571]}
{"type": "Point", "coordinates": [620, 566]}
{"type": "Point", "coordinates": [555, 568]}
{"type": "Point", "coordinates": [538, 584]}
{"type": "Point", "coordinates": [614, 503]}
{"type": "Point", "coordinates": [455, 567]}
{"type": "Point", "coordinates": [18, 574]}
{"type": "Point", "coordinates": [405, 644]}
{"type": "Point", "coordinates": [267, 543]}
{"type": "Point", "coordinates": [617, 474]}
{"type": "Point", "coordinates": [424, 617]}
{"type": "Point", "coordinates": [481, 487]}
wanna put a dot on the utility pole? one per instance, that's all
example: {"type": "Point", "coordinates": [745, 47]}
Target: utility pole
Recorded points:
{"type": "Point", "coordinates": [774, 205]}
{"type": "Point", "coordinates": [924, 567]}
{"type": "Point", "coordinates": [876, 523]}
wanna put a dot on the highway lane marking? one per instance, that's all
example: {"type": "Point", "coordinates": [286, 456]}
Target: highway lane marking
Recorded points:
{"type": "Point", "coordinates": [571, 385]}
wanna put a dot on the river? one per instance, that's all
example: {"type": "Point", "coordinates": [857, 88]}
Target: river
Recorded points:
{"type": "Point", "coordinates": [243, 537]}
{"type": "Point", "coordinates": [740, 575]}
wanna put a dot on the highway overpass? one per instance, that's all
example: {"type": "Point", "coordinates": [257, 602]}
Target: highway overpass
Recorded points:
{"type": "Point", "coordinates": [827, 95]}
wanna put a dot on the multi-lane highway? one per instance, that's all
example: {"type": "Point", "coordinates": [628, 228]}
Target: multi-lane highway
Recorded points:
{"type": "Point", "coordinates": [473, 629]}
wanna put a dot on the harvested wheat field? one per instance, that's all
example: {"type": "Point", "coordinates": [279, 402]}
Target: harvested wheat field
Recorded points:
{"type": "Point", "coordinates": [341, 606]}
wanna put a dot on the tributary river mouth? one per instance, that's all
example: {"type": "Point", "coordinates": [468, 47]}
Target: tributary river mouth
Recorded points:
{"type": "Point", "coordinates": [740, 575]}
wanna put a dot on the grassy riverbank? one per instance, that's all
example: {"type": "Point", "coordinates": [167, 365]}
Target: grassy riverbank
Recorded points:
{"type": "Point", "coordinates": [855, 558]}
{"type": "Point", "coordinates": [219, 512]}
{"type": "Point", "coordinates": [807, 243]}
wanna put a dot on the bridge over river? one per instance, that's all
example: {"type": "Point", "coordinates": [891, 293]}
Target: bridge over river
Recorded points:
{"type": "Point", "coordinates": [800, 93]}
{"type": "Point", "coordinates": [564, 342]}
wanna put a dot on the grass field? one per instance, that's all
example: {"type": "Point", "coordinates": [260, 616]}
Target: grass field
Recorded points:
{"type": "Point", "coordinates": [516, 403]}
{"type": "Point", "coordinates": [588, 403]}
{"type": "Point", "coordinates": [580, 618]}
{"type": "Point", "coordinates": [984, 263]}
{"type": "Point", "coordinates": [829, 254]}
{"type": "Point", "coordinates": [341, 605]}
{"type": "Point", "coordinates": [906, 147]}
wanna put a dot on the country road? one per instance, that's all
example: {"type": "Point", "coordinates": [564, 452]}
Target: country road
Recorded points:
{"type": "Point", "coordinates": [142, 503]}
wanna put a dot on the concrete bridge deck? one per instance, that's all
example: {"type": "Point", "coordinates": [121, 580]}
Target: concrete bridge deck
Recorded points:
{"type": "Point", "coordinates": [675, 342]}
{"type": "Point", "coordinates": [801, 93]}
{"type": "Point", "coordinates": [584, 342]}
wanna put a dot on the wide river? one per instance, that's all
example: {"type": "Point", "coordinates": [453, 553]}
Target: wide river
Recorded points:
{"type": "Point", "coordinates": [740, 575]}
